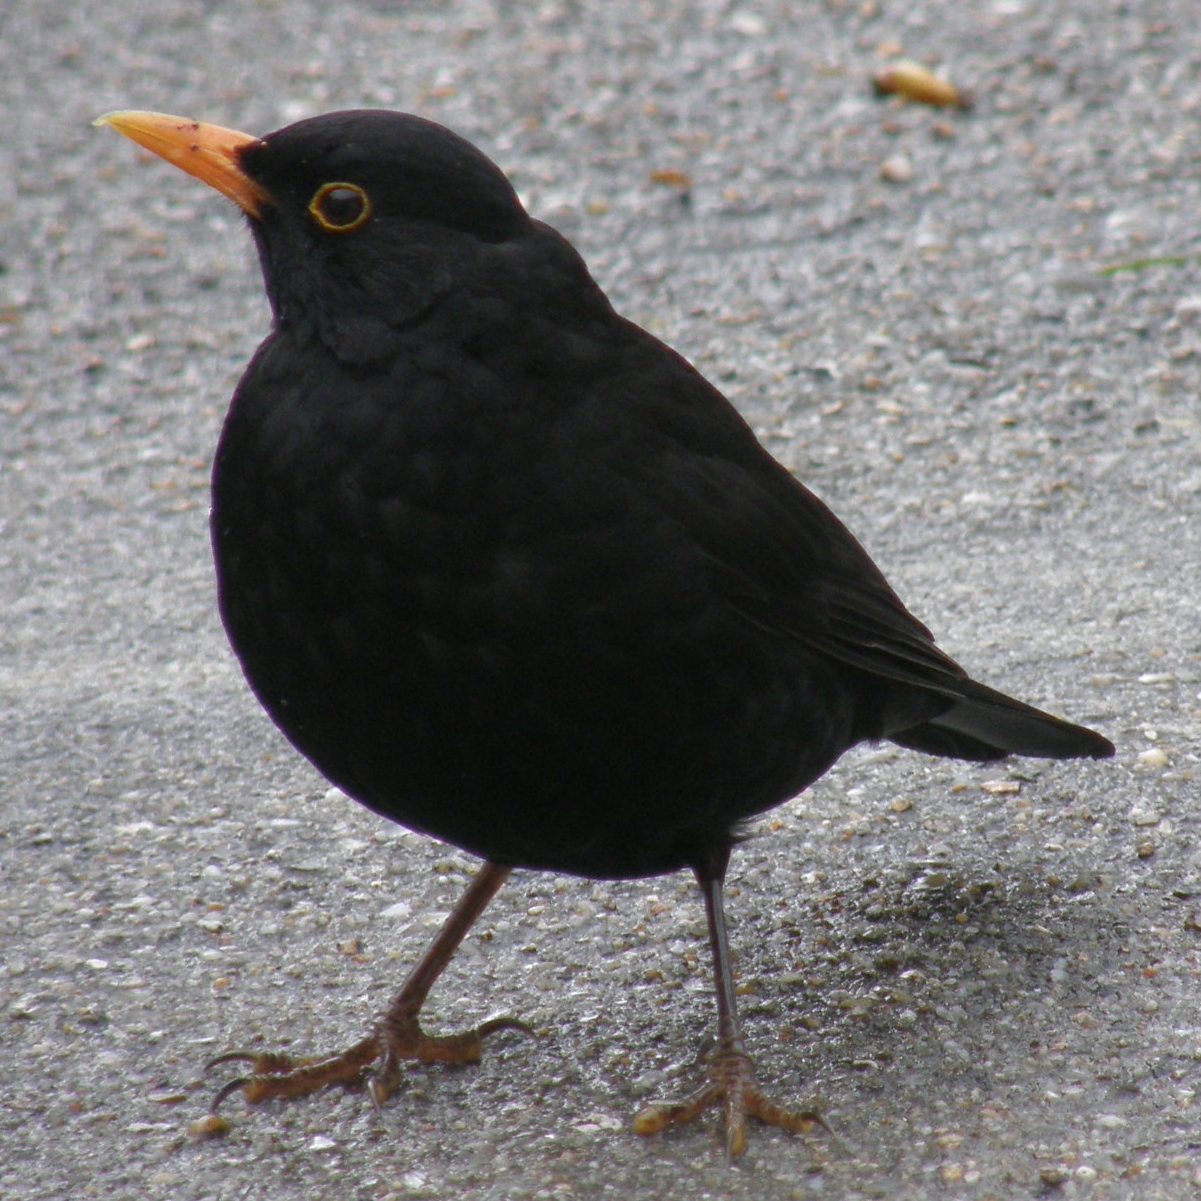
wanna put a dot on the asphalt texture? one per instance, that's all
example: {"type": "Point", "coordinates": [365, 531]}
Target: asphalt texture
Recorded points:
{"type": "Point", "coordinates": [986, 976]}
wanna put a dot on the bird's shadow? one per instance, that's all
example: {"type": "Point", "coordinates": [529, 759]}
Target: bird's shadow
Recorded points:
{"type": "Point", "coordinates": [955, 975]}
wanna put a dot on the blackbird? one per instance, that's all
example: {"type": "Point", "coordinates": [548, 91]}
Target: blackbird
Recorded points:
{"type": "Point", "coordinates": [507, 570]}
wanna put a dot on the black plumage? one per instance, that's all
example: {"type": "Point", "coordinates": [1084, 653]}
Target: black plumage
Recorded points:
{"type": "Point", "coordinates": [509, 571]}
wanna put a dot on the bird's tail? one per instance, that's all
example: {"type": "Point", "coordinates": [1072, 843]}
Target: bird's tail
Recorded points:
{"type": "Point", "coordinates": [984, 724]}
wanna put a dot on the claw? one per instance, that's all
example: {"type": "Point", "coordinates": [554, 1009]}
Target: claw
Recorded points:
{"type": "Point", "coordinates": [732, 1083]}
{"type": "Point", "coordinates": [232, 1057]}
{"type": "Point", "coordinates": [493, 1025]}
{"type": "Point", "coordinates": [228, 1090]}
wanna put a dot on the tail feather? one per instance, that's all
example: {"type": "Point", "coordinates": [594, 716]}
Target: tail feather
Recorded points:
{"type": "Point", "coordinates": [984, 724]}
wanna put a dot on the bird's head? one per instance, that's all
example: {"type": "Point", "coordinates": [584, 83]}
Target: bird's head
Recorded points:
{"type": "Point", "coordinates": [363, 219]}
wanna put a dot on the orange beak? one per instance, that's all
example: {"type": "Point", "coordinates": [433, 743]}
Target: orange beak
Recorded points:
{"type": "Point", "coordinates": [206, 151]}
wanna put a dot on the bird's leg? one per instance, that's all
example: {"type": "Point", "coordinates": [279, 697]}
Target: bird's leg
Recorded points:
{"type": "Point", "coordinates": [397, 1036]}
{"type": "Point", "coordinates": [731, 1071]}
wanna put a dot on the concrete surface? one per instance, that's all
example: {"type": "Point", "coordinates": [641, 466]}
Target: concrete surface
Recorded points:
{"type": "Point", "coordinates": [987, 976]}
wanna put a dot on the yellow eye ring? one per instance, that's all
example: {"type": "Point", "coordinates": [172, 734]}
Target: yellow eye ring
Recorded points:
{"type": "Point", "coordinates": [340, 207]}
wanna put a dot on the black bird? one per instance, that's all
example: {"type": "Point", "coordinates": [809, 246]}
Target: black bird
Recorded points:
{"type": "Point", "coordinates": [509, 571]}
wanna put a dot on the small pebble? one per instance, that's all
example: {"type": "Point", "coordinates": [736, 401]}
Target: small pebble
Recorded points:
{"type": "Point", "coordinates": [896, 169]}
{"type": "Point", "coordinates": [212, 1125]}
{"type": "Point", "coordinates": [672, 178]}
{"type": "Point", "coordinates": [914, 82]}
{"type": "Point", "coordinates": [1001, 787]}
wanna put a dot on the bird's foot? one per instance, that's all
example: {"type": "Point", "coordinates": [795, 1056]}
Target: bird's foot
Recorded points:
{"type": "Point", "coordinates": [376, 1059]}
{"type": "Point", "coordinates": [731, 1082]}
{"type": "Point", "coordinates": [402, 1038]}
{"type": "Point", "coordinates": [274, 1074]}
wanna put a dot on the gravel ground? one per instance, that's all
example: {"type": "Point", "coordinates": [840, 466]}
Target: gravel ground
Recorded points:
{"type": "Point", "coordinates": [986, 976]}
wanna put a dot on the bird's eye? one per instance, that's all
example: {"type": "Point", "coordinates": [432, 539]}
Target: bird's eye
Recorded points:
{"type": "Point", "coordinates": [340, 207]}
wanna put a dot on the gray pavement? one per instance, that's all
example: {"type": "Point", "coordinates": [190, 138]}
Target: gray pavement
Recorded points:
{"type": "Point", "coordinates": [987, 976]}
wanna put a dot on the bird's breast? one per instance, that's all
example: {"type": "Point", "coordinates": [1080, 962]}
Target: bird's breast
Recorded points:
{"type": "Point", "coordinates": [473, 623]}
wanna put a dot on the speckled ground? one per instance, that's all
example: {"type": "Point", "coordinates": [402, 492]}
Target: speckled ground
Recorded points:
{"type": "Point", "coordinates": [987, 977]}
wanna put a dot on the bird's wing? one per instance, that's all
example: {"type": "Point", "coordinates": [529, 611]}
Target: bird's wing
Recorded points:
{"type": "Point", "coordinates": [783, 561]}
